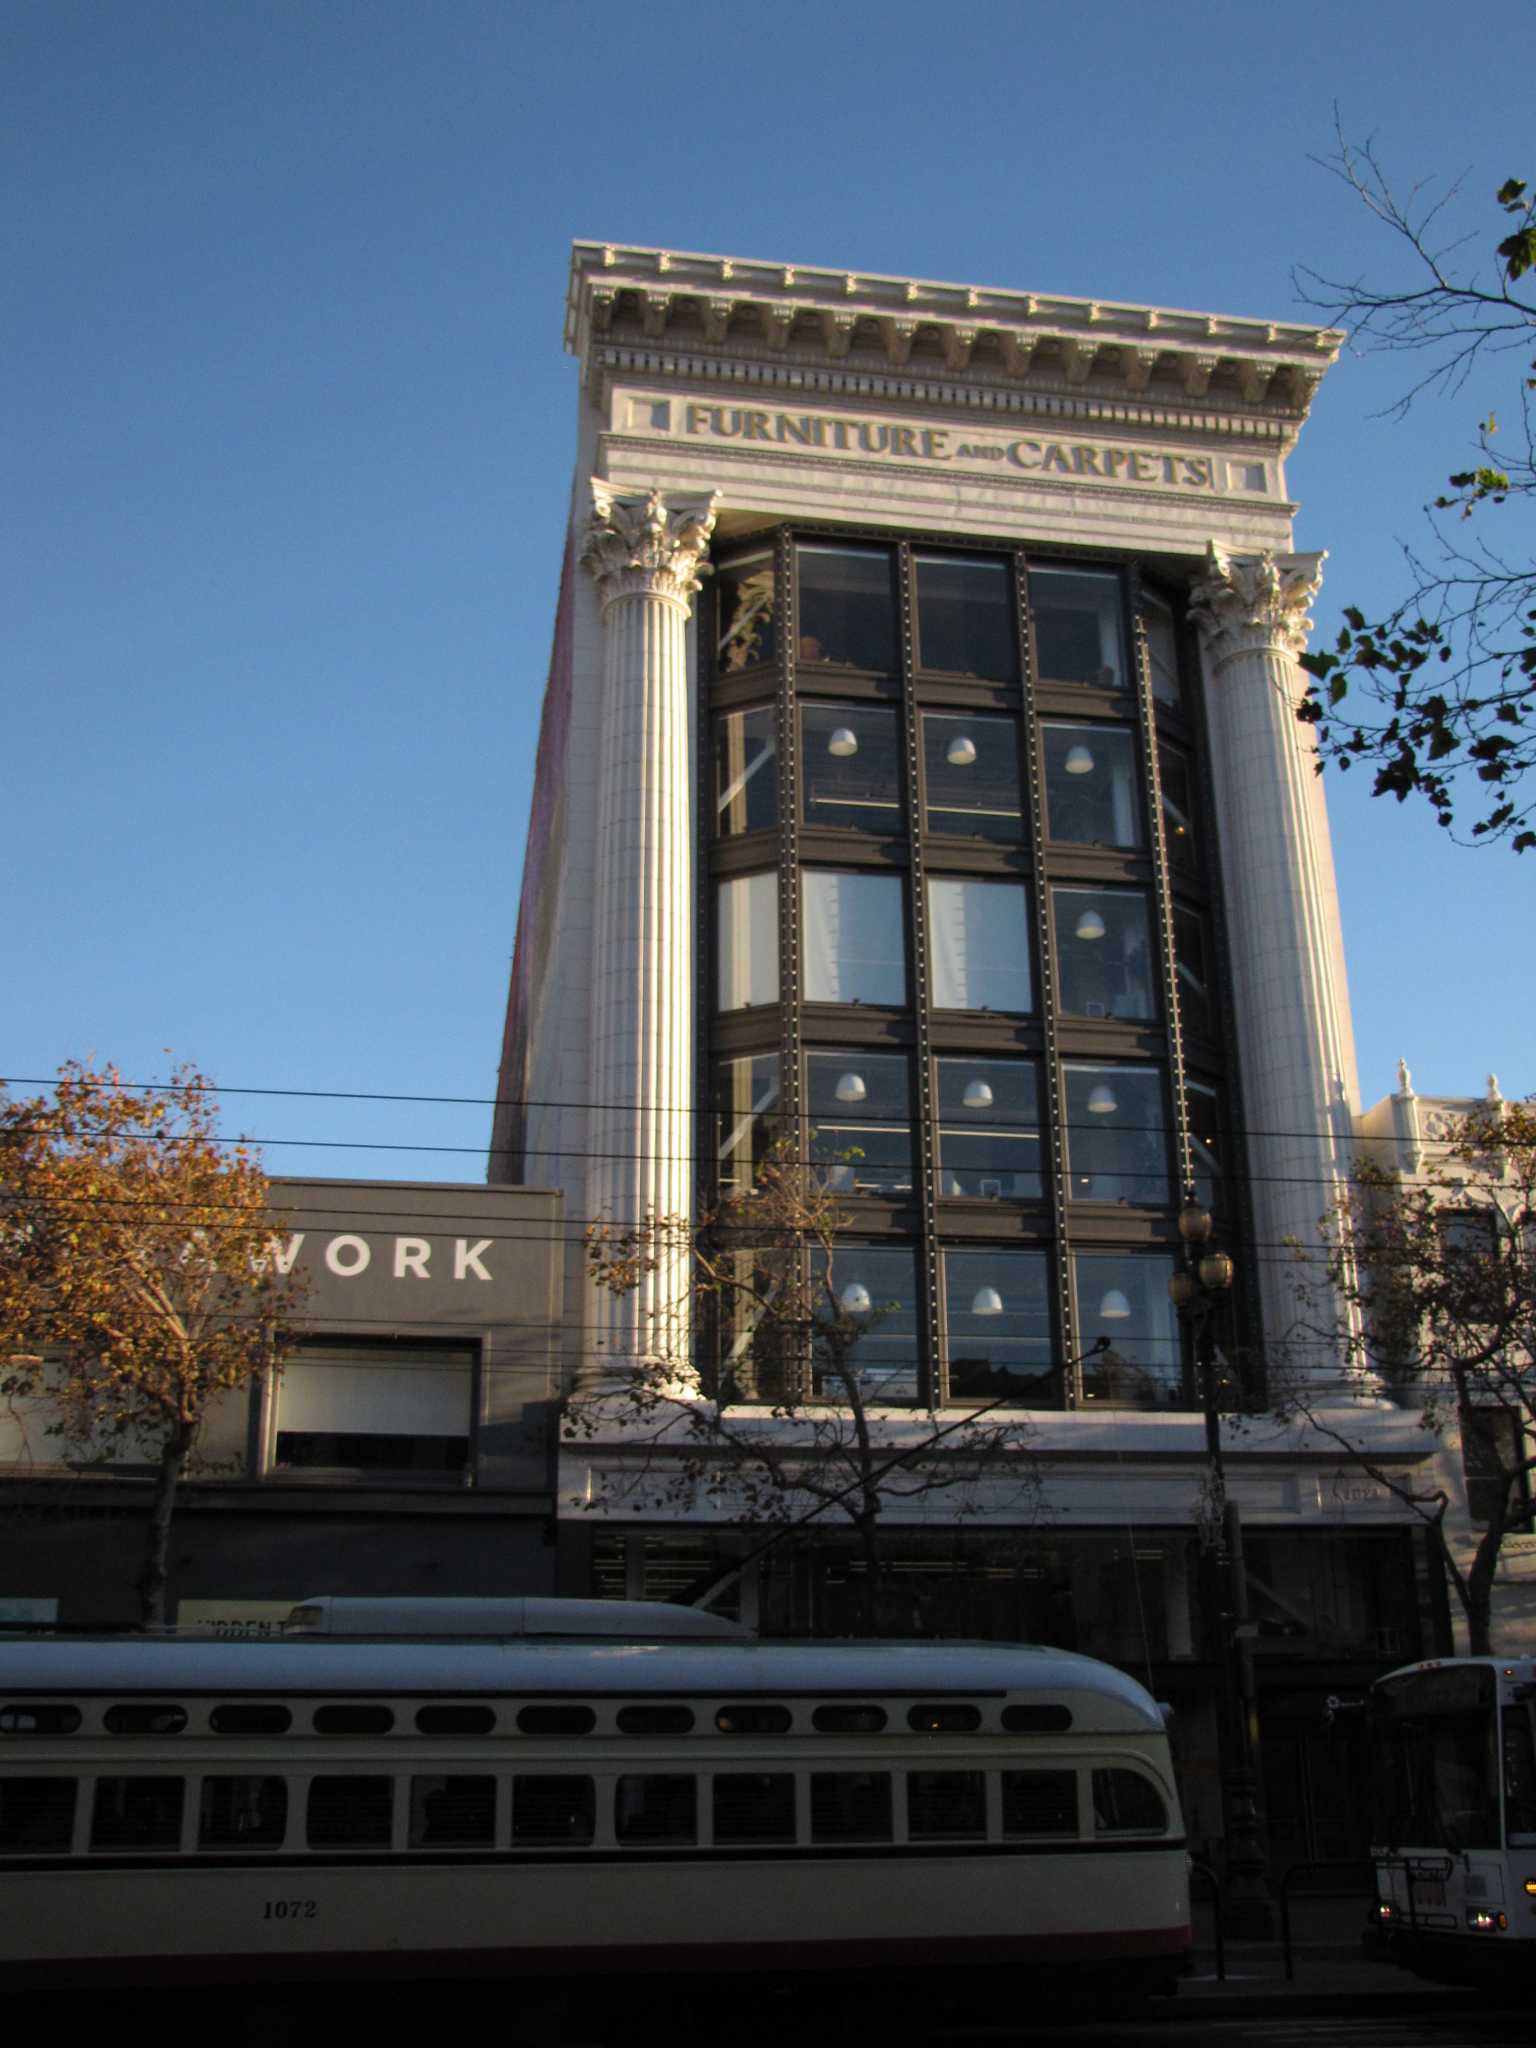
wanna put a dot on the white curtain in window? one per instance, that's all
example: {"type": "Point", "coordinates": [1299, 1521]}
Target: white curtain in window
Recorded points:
{"type": "Point", "coordinates": [978, 939]}
{"type": "Point", "coordinates": [371, 1393]}
{"type": "Point", "coordinates": [749, 941]}
{"type": "Point", "coordinates": [852, 939]}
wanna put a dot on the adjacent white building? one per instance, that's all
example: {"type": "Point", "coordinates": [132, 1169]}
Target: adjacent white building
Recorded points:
{"type": "Point", "coordinates": [919, 772]}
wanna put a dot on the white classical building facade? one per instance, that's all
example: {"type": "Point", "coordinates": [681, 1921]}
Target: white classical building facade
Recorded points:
{"type": "Point", "coordinates": [920, 774]}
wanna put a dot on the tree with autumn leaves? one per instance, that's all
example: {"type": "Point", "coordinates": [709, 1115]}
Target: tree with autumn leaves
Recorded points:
{"type": "Point", "coordinates": [138, 1273]}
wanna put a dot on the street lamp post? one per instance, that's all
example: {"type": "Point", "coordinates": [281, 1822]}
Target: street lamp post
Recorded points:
{"type": "Point", "coordinates": [1197, 1289]}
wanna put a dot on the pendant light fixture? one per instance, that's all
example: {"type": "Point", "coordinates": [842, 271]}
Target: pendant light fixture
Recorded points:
{"type": "Point", "coordinates": [1090, 925]}
{"type": "Point", "coordinates": [850, 1088]}
{"type": "Point", "coordinates": [961, 751]}
{"type": "Point", "coordinates": [843, 743]}
{"type": "Point", "coordinates": [1079, 761]}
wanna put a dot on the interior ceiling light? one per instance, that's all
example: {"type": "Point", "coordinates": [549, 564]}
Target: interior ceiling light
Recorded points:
{"type": "Point", "coordinates": [986, 1302]}
{"type": "Point", "coordinates": [1090, 925]}
{"type": "Point", "coordinates": [850, 1088]}
{"type": "Point", "coordinates": [1114, 1308]}
{"type": "Point", "coordinates": [961, 751]}
{"type": "Point", "coordinates": [1101, 1100]}
{"type": "Point", "coordinates": [845, 742]}
{"type": "Point", "coordinates": [1078, 762]}
{"type": "Point", "coordinates": [977, 1095]}
{"type": "Point", "coordinates": [854, 1299]}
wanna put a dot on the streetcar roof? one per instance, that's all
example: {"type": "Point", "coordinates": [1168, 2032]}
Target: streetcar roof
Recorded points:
{"type": "Point", "coordinates": [1100, 1695]}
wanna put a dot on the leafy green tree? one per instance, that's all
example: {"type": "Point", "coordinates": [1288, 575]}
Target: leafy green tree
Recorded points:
{"type": "Point", "coordinates": [139, 1277]}
{"type": "Point", "coordinates": [1440, 1272]}
{"type": "Point", "coordinates": [1439, 695]}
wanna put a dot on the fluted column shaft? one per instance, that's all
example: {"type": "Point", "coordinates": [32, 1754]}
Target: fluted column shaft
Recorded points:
{"type": "Point", "coordinates": [644, 553]}
{"type": "Point", "coordinates": [1292, 1003]}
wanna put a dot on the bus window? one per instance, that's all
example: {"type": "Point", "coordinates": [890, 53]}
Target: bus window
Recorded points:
{"type": "Point", "coordinates": [137, 1813]}
{"type": "Point", "coordinates": [655, 1720]}
{"type": "Point", "coordinates": [453, 1812]}
{"type": "Point", "coordinates": [258, 1718]}
{"type": "Point", "coordinates": [145, 1717]}
{"type": "Point", "coordinates": [943, 1719]}
{"type": "Point", "coordinates": [1126, 1803]}
{"type": "Point", "coordinates": [850, 1806]}
{"type": "Point", "coordinates": [559, 1812]}
{"type": "Point", "coordinates": [242, 1813]}
{"type": "Point", "coordinates": [656, 1808]}
{"type": "Point", "coordinates": [756, 1718]}
{"type": "Point", "coordinates": [349, 1813]}
{"type": "Point", "coordinates": [561, 1720]}
{"type": "Point", "coordinates": [37, 1814]}
{"type": "Point", "coordinates": [755, 1806]}
{"type": "Point", "coordinates": [1039, 1802]}
{"type": "Point", "coordinates": [39, 1717]}
{"type": "Point", "coordinates": [863, 1719]}
{"type": "Point", "coordinates": [457, 1717]}
{"type": "Point", "coordinates": [947, 1805]}
{"type": "Point", "coordinates": [354, 1717]}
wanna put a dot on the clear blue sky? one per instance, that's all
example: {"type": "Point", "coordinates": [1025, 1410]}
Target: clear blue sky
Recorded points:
{"type": "Point", "coordinates": [289, 431]}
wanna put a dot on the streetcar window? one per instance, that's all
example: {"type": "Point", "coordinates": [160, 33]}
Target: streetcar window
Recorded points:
{"type": "Point", "coordinates": [656, 1808]}
{"type": "Point", "coordinates": [37, 1814]}
{"type": "Point", "coordinates": [1037, 1720]}
{"type": "Point", "coordinates": [864, 1719]}
{"type": "Point", "coordinates": [948, 1804]}
{"type": "Point", "coordinates": [655, 1720]}
{"type": "Point", "coordinates": [348, 1813]}
{"type": "Point", "coordinates": [850, 1806]}
{"type": "Point", "coordinates": [453, 1813]}
{"type": "Point", "coordinates": [1039, 1802]}
{"type": "Point", "coordinates": [940, 1718]}
{"type": "Point", "coordinates": [242, 1813]}
{"type": "Point", "coordinates": [354, 1718]}
{"type": "Point", "coordinates": [557, 1811]}
{"type": "Point", "coordinates": [137, 1813]}
{"type": "Point", "coordinates": [754, 1719]}
{"type": "Point", "coordinates": [457, 1718]}
{"type": "Point", "coordinates": [145, 1717]}
{"type": "Point", "coordinates": [1126, 1803]}
{"type": "Point", "coordinates": [260, 1718]}
{"type": "Point", "coordinates": [755, 1806]}
{"type": "Point", "coordinates": [41, 1717]}
{"type": "Point", "coordinates": [556, 1720]}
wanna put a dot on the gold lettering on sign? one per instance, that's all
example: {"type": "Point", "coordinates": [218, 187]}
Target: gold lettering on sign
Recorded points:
{"type": "Point", "coordinates": [1096, 460]}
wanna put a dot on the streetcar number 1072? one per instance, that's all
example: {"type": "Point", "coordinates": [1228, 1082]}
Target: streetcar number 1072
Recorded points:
{"type": "Point", "coordinates": [290, 1909]}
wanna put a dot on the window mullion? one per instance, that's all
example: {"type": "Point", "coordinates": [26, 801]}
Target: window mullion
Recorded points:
{"type": "Point", "coordinates": [791, 991]}
{"type": "Point", "coordinates": [930, 1359]}
{"type": "Point", "coordinates": [1052, 1096]}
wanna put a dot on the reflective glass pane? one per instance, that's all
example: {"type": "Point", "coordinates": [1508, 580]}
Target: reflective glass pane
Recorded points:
{"type": "Point", "coordinates": [978, 943]}
{"type": "Point", "coordinates": [1117, 1146]}
{"type": "Point", "coordinates": [853, 944]}
{"type": "Point", "coordinates": [1191, 971]}
{"type": "Point", "coordinates": [247, 1812]}
{"type": "Point", "coordinates": [1103, 953]}
{"type": "Point", "coordinates": [1090, 785]}
{"type": "Point", "coordinates": [137, 1813]}
{"type": "Point", "coordinates": [37, 1815]}
{"type": "Point", "coordinates": [865, 1325]}
{"type": "Point", "coordinates": [965, 617]}
{"type": "Point", "coordinates": [1178, 785]}
{"type": "Point", "coordinates": [946, 1805]}
{"type": "Point", "coordinates": [1076, 617]}
{"type": "Point", "coordinates": [658, 1807]}
{"type": "Point", "coordinates": [847, 607]}
{"type": "Point", "coordinates": [1124, 1299]}
{"type": "Point", "coordinates": [989, 1129]}
{"type": "Point", "coordinates": [1162, 648]}
{"type": "Point", "coordinates": [971, 768]}
{"type": "Point", "coordinates": [850, 767]}
{"type": "Point", "coordinates": [747, 941]}
{"type": "Point", "coordinates": [860, 1121]}
{"type": "Point", "coordinates": [759, 1310]}
{"type": "Point", "coordinates": [997, 1320]}
{"type": "Point", "coordinates": [746, 614]}
{"type": "Point", "coordinates": [746, 1124]}
{"type": "Point", "coordinates": [453, 1812]}
{"type": "Point", "coordinates": [746, 773]}
{"type": "Point", "coordinates": [1207, 1142]}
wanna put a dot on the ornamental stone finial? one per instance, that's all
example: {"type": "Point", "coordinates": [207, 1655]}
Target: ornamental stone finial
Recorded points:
{"type": "Point", "coordinates": [649, 545]}
{"type": "Point", "coordinates": [1241, 602]}
{"type": "Point", "coordinates": [1404, 1079]}
{"type": "Point", "coordinates": [1493, 1089]}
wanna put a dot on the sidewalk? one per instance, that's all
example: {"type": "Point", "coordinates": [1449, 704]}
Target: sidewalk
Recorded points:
{"type": "Point", "coordinates": [1330, 1967]}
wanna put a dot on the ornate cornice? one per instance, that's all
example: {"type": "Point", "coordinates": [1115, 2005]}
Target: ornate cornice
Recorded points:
{"type": "Point", "coordinates": [750, 312]}
{"type": "Point", "coordinates": [1246, 602]}
{"type": "Point", "coordinates": [649, 546]}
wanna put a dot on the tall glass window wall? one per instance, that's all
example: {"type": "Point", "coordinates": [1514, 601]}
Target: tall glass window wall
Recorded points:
{"type": "Point", "coordinates": [944, 953]}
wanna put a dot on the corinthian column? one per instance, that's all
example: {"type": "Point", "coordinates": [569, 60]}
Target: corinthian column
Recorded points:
{"type": "Point", "coordinates": [644, 553]}
{"type": "Point", "coordinates": [1290, 995]}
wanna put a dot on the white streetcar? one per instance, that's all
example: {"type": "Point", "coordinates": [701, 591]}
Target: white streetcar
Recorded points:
{"type": "Point", "coordinates": [1454, 1830]}
{"type": "Point", "coordinates": [578, 1809]}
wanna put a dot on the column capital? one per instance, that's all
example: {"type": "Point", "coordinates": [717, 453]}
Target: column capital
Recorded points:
{"type": "Point", "coordinates": [1249, 602]}
{"type": "Point", "coordinates": [648, 545]}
